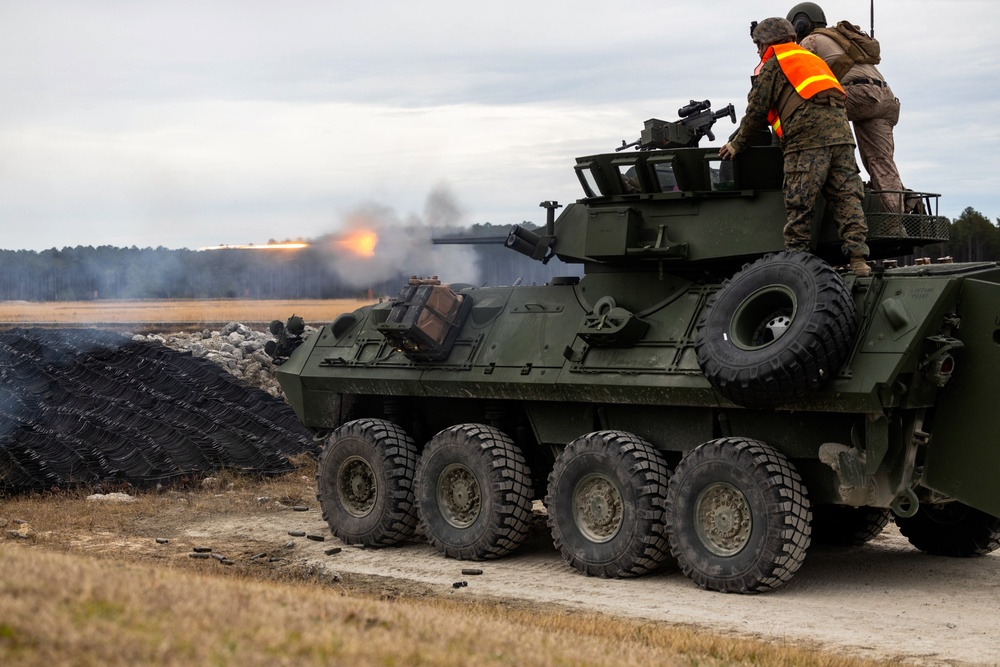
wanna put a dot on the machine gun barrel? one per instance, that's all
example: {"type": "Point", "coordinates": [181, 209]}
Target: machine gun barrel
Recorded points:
{"type": "Point", "coordinates": [625, 145]}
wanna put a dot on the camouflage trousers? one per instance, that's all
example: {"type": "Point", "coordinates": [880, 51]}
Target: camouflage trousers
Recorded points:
{"type": "Point", "coordinates": [874, 111]}
{"type": "Point", "coordinates": [833, 171]}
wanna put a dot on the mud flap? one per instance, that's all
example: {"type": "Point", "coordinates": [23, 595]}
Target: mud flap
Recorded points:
{"type": "Point", "coordinates": [963, 456]}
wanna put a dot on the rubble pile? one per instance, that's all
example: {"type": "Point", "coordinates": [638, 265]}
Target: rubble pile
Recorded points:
{"type": "Point", "coordinates": [88, 406]}
{"type": "Point", "coordinates": [236, 348]}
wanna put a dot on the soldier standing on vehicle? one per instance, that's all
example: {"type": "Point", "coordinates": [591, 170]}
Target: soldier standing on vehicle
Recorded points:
{"type": "Point", "coordinates": [871, 105]}
{"type": "Point", "coordinates": [795, 91]}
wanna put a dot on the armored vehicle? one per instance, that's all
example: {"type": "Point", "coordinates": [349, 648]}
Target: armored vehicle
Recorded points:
{"type": "Point", "coordinates": [698, 396]}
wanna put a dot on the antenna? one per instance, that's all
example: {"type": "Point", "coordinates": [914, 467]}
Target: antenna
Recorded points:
{"type": "Point", "coordinates": [873, 19]}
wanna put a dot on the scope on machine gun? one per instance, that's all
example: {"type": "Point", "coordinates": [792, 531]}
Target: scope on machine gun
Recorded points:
{"type": "Point", "coordinates": [696, 121]}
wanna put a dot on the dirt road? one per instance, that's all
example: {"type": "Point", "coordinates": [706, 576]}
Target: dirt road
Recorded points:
{"type": "Point", "coordinates": [882, 600]}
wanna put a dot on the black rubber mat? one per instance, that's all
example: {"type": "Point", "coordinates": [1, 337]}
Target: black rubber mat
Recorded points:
{"type": "Point", "coordinates": [82, 406]}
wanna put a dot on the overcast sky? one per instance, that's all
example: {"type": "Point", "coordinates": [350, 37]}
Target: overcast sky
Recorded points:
{"type": "Point", "coordinates": [186, 124]}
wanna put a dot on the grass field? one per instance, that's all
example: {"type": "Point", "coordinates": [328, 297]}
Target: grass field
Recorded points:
{"type": "Point", "coordinates": [171, 311]}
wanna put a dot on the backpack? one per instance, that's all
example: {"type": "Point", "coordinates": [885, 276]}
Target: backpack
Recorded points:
{"type": "Point", "coordinates": [859, 48]}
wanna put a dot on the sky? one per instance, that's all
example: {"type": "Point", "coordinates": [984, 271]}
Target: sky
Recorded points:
{"type": "Point", "coordinates": [187, 124]}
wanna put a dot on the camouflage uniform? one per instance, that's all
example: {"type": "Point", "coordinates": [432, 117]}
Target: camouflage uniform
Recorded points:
{"type": "Point", "coordinates": [874, 110]}
{"type": "Point", "coordinates": [818, 156]}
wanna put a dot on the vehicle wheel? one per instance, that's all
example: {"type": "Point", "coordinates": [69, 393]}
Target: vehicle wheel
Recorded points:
{"type": "Point", "coordinates": [473, 493]}
{"type": "Point", "coordinates": [953, 529]}
{"type": "Point", "coordinates": [844, 526]}
{"type": "Point", "coordinates": [365, 483]}
{"type": "Point", "coordinates": [737, 516]}
{"type": "Point", "coordinates": [776, 330]}
{"type": "Point", "coordinates": [605, 503]}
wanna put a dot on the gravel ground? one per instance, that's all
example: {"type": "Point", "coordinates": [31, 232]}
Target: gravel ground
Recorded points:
{"type": "Point", "coordinates": [882, 600]}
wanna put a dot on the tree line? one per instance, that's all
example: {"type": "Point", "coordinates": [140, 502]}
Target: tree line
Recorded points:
{"type": "Point", "coordinates": [973, 238]}
{"type": "Point", "coordinates": [87, 273]}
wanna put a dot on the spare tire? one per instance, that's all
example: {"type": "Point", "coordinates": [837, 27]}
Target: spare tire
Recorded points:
{"type": "Point", "coordinates": [776, 330]}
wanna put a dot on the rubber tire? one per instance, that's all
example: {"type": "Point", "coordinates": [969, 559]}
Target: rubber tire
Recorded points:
{"type": "Point", "coordinates": [391, 456]}
{"type": "Point", "coordinates": [779, 532]}
{"type": "Point", "coordinates": [640, 475]}
{"type": "Point", "coordinates": [845, 526]}
{"type": "Point", "coordinates": [504, 487]}
{"type": "Point", "coordinates": [954, 529]}
{"type": "Point", "coordinates": [812, 349]}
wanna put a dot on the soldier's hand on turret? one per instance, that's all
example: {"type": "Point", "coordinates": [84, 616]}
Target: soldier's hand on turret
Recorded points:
{"type": "Point", "coordinates": [727, 152]}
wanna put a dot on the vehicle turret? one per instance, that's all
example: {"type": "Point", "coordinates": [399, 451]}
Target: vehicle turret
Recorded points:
{"type": "Point", "coordinates": [693, 211]}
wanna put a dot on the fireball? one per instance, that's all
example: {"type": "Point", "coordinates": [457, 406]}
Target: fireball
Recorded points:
{"type": "Point", "coordinates": [361, 242]}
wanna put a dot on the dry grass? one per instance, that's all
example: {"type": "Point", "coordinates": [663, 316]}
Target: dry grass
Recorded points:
{"type": "Point", "coordinates": [131, 606]}
{"type": "Point", "coordinates": [57, 608]}
{"type": "Point", "coordinates": [168, 311]}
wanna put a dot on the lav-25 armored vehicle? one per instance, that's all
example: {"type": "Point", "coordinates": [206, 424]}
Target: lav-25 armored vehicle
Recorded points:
{"type": "Point", "coordinates": [700, 394]}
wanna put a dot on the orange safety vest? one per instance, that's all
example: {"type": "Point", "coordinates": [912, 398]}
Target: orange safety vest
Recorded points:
{"type": "Point", "coordinates": [808, 73]}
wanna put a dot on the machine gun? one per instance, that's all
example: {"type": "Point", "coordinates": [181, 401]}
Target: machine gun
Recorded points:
{"type": "Point", "coordinates": [696, 121]}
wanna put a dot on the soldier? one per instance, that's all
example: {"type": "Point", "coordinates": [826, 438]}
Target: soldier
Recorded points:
{"type": "Point", "coordinates": [871, 105]}
{"type": "Point", "coordinates": [797, 93]}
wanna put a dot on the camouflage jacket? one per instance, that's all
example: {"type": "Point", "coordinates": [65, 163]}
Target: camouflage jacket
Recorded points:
{"type": "Point", "coordinates": [811, 126]}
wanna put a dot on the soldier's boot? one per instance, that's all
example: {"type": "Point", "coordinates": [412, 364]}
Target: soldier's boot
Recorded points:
{"type": "Point", "coordinates": [860, 267]}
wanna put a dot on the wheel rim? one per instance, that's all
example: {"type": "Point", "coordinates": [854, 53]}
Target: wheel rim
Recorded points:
{"type": "Point", "coordinates": [598, 509]}
{"type": "Point", "coordinates": [723, 519]}
{"type": "Point", "coordinates": [459, 495]}
{"type": "Point", "coordinates": [357, 486]}
{"type": "Point", "coordinates": [763, 317]}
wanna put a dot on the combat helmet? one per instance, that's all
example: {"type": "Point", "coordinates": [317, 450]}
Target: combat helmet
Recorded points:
{"type": "Point", "coordinates": [806, 17]}
{"type": "Point", "coordinates": [775, 30]}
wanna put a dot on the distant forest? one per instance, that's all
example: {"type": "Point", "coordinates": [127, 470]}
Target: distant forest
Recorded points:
{"type": "Point", "coordinates": [88, 273]}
